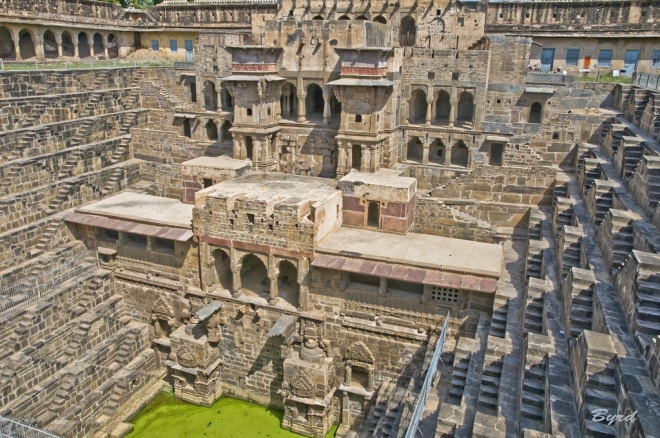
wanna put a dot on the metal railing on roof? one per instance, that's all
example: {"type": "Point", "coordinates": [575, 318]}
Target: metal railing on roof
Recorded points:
{"type": "Point", "coordinates": [413, 426]}
{"type": "Point", "coordinates": [647, 80]}
{"type": "Point", "coordinates": [18, 296]}
{"type": "Point", "coordinates": [16, 429]}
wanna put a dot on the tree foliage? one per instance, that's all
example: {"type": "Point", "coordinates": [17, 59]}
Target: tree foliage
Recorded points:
{"type": "Point", "coordinates": [137, 4]}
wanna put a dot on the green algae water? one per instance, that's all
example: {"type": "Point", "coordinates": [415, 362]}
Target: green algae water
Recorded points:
{"type": "Point", "coordinates": [168, 417]}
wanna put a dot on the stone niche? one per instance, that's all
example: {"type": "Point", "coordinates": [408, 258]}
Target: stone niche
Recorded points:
{"type": "Point", "coordinates": [309, 385]}
{"type": "Point", "coordinates": [195, 361]}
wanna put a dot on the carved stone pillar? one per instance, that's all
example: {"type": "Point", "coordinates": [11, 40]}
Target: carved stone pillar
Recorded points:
{"type": "Point", "coordinates": [448, 153]}
{"type": "Point", "coordinates": [453, 101]}
{"type": "Point", "coordinates": [273, 273]}
{"type": "Point", "coordinates": [373, 158]}
{"type": "Point", "coordinates": [341, 159]}
{"type": "Point", "coordinates": [302, 114]}
{"type": "Point", "coordinates": [39, 47]}
{"type": "Point", "coordinates": [370, 380]}
{"type": "Point", "coordinates": [364, 162]}
{"type": "Point", "coordinates": [382, 289]}
{"type": "Point", "coordinates": [425, 151]}
{"type": "Point", "coordinates": [104, 39]}
{"type": "Point", "coordinates": [429, 109]}
{"type": "Point", "coordinates": [303, 281]}
{"type": "Point", "coordinates": [349, 157]}
{"type": "Point", "coordinates": [348, 372]}
{"type": "Point", "coordinates": [235, 267]}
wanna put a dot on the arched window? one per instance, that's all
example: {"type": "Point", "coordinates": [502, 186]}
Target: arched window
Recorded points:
{"type": "Point", "coordinates": [210, 96]}
{"type": "Point", "coordinates": [318, 17]}
{"type": "Point", "coordinates": [225, 99]}
{"type": "Point", "coordinates": [443, 107]}
{"type": "Point", "coordinates": [98, 44]}
{"type": "Point", "coordinates": [356, 156]}
{"type": "Point", "coordinates": [222, 272]}
{"type": "Point", "coordinates": [254, 276]}
{"type": "Point", "coordinates": [536, 113]}
{"type": "Point", "coordinates": [465, 108]}
{"type": "Point", "coordinates": [408, 35]}
{"type": "Point", "coordinates": [415, 149]}
{"type": "Point", "coordinates": [314, 100]}
{"type": "Point", "coordinates": [50, 45]}
{"type": "Point", "coordinates": [226, 133]}
{"type": "Point", "coordinates": [211, 130]}
{"type": "Point", "coordinates": [187, 132]}
{"type": "Point", "coordinates": [459, 154]}
{"type": "Point", "coordinates": [380, 19]}
{"type": "Point", "coordinates": [7, 49]}
{"type": "Point", "coordinates": [26, 45]}
{"type": "Point", "coordinates": [362, 18]}
{"type": "Point", "coordinates": [288, 288]}
{"type": "Point", "coordinates": [113, 46]}
{"type": "Point", "coordinates": [418, 107]}
{"type": "Point", "coordinates": [83, 46]}
{"type": "Point", "coordinates": [373, 214]}
{"type": "Point", "coordinates": [248, 148]}
{"type": "Point", "coordinates": [67, 44]}
{"type": "Point", "coordinates": [344, 17]}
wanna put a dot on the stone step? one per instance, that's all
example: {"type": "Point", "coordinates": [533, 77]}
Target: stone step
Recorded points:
{"type": "Point", "coordinates": [532, 399]}
{"type": "Point", "coordinates": [532, 412]}
{"type": "Point", "coordinates": [534, 386]}
{"type": "Point", "coordinates": [601, 382]}
{"type": "Point", "coordinates": [597, 430]}
{"type": "Point", "coordinates": [601, 398]}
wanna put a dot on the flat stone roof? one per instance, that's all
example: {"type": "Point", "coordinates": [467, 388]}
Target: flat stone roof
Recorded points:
{"type": "Point", "coordinates": [146, 209]}
{"type": "Point", "coordinates": [293, 189]}
{"type": "Point", "coordinates": [380, 179]}
{"type": "Point", "coordinates": [221, 162]}
{"type": "Point", "coordinates": [422, 250]}
{"type": "Point", "coordinates": [387, 187]}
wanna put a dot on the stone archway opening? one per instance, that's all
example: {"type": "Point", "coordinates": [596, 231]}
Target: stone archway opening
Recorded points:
{"type": "Point", "coordinates": [318, 17]}
{"type": "Point", "coordinates": [466, 109]}
{"type": "Point", "coordinates": [68, 48]}
{"type": "Point", "coordinates": [356, 157]}
{"type": "Point", "coordinates": [437, 151]}
{"type": "Point", "coordinates": [289, 101]}
{"type": "Point", "coordinates": [314, 102]}
{"type": "Point", "coordinates": [254, 277]}
{"type": "Point", "coordinates": [83, 46]}
{"type": "Point", "coordinates": [210, 96]}
{"type": "Point", "coordinates": [443, 108]}
{"type": "Point", "coordinates": [248, 148]}
{"type": "Point", "coordinates": [113, 46]}
{"type": "Point", "coordinates": [415, 150]}
{"type": "Point", "coordinates": [418, 107]}
{"type": "Point", "coordinates": [222, 275]}
{"type": "Point", "coordinates": [408, 32]}
{"type": "Point", "coordinates": [211, 130]}
{"type": "Point", "coordinates": [226, 101]}
{"type": "Point", "coordinates": [7, 48]}
{"type": "Point", "coordinates": [98, 45]}
{"type": "Point", "coordinates": [344, 17]}
{"type": "Point", "coordinates": [26, 45]}
{"type": "Point", "coordinates": [380, 19]}
{"type": "Point", "coordinates": [362, 18]}
{"type": "Point", "coordinates": [536, 113]}
{"type": "Point", "coordinates": [287, 283]}
{"type": "Point", "coordinates": [459, 154]}
{"type": "Point", "coordinates": [51, 50]}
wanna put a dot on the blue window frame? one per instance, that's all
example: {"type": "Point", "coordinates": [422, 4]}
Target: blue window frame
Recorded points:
{"type": "Point", "coordinates": [174, 46]}
{"type": "Point", "coordinates": [154, 45]}
{"type": "Point", "coordinates": [604, 58]}
{"type": "Point", "coordinates": [572, 56]}
{"type": "Point", "coordinates": [655, 59]}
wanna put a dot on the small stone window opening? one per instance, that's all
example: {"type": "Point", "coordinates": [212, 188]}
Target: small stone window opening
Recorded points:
{"type": "Point", "coordinates": [358, 118]}
{"type": "Point", "coordinates": [186, 128]}
{"type": "Point", "coordinates": [373, 214]}
{"type": "Point", "coordinates": [454, 76]}
{"type": "Point", "coordinates": [268, 111]}
{"type": "Point", "coordinates": [208, 182]}
{"type": "Point", "coordinates": [643, 14]}
{"type": "Point", "coordinates": [231, 222]}
{"type": "Point", "coordinates": [250, 217]}
{"type": "Point", "coordinates": [527, 15]}
{"type": "Point", "coordinates": [431, 75]}
{"type": "Point", "coordinates": [111, 234]}
{"type": "Point", "coordinates": [536, 113]}
{"type": "Point", "coordinates": [438, 152]}
{"type": "Point", "coordinates": [249, 111]}
{"type": "Point", "coordinates": [501, 15]}
{"type": "Point", "coordinates": [444, 294]}
{"type": "Point", "coordinates": [438, 12]}
{"type": "Point", "coordinates": [137, 239]}
{"type": "Point", "coordinates": [499, 101]}
{"type": "Point", "coordinates": [164, 245]}
{"type": "Point", "coordinates": [461, 22]}
{"type": "Point", "coordinates": [555, 136]}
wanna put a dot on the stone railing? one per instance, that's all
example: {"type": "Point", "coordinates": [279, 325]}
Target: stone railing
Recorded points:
{"type": "Point", "coordinates": [535, 77]}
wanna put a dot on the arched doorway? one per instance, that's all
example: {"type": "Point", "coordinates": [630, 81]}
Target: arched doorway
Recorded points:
{"type": "Point", "coordinates": [98, 45]}
{"type": "Point", "coordinates": [380, 19]}
{"type": "Point", "coordinates": [418, 107]}
{"type": "Point", "coordinates": [50, 45]}
{"type": "Point", "coordinates": [288, 288]}
{"type": "Point", "coordinates": [225, 131]}
{"type": "Point", "coordinates": [210, 96]}
{"type": "Point", "coordinates": [373, 214]}
{"type": "Point", "coordinates": [408, 34]}
{"type": "Point", "coordinates": [415, 149]}
{"type": "Point", "coordinates": [443, 108]}
{"type": "Point", "coordinates": [459, 154]}
{"type": "Point", "coordinates": [211, 130]}
{"type": "Point", "coordinates": [536, 113]}
{"type": "Point", "coordinates": [465, 108]}
{"type": "Point", "coordinates": [226, 101]}
{"type": "Point", "coordinates": [7, 49]}
{"type": "Point", "coordinates": [314, 101]}
{"type": "Point", "coordinates": [113, 46]}
{"type": "Point", "coordinates": [254, 276]}
{"type": "Point", "coordinates": [67, 45]}
{"type": "Point", "coordinates": [26, 45]}
{"type": "Point", "coordinates": [248, 148]}
{"type": "Point", "coordinates": [222, 273]}
{"type": "Point", "coordinates": [83, 46]}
